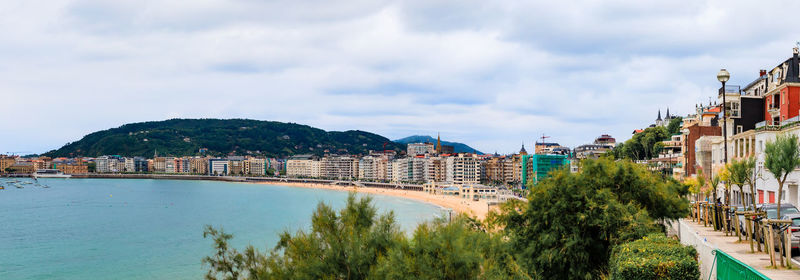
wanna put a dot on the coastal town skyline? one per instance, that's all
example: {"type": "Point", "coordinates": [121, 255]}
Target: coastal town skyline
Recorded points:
{"type": "Point", "coordinates": [385, 139]}
{"type": "Point", "coordinates": [394, 69]}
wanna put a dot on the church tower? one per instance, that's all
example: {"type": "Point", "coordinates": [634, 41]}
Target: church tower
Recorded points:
{"type": "Point", "coordinates": [659, 121]}
{"type": "Point", "coordinates": [438, 143]}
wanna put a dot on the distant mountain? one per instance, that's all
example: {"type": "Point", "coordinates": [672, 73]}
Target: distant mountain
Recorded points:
{"type": "Point", "coordinates": [185, 137]}
{"type": "Point", "coordinates": [458, 147]}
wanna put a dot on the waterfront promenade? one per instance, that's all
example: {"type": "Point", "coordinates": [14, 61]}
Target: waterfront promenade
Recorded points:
{"type": "Point", "coordinates": [706, 239]}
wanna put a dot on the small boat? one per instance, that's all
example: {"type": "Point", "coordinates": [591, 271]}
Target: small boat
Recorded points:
{"type": "Point", "coordinates": [2, 188]}
{"type": "Point", "coordinates": [18, 186]}
{"type": "Point", "coordinates": [50, 173]}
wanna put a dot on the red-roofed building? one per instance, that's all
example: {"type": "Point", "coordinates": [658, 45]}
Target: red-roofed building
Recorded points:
{"type": "Point", "coordinates": [782, 100]}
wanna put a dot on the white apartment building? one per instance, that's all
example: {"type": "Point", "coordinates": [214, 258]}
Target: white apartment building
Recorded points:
{"type": "Point", "coordinates": [218, 167]}
{"type": "Point", "coordinates": [107, 164]}
{"type": "Point", "coordinates": [102, 164]}
{"type": "Point", "coordinates": [463, 169]}
{"type": "Point", "coordinates": [743, 147]}
{"type": "Point", "coordinates": [766, 184]}
{"type": "Point", "coordinates": [255, 166]}
{"type": "Point", "coordinates": [420, 149]}
{"type": "Point", "coordinates": [339, 167]}
{"type": "Point", "coordinates": [435, 169]}
{"type": "Point", "coordinates": [303, 166]}
{"type": "Point", "coordinates": [372, 168]}
{"type": "Point", "coordinates": [409, 169]}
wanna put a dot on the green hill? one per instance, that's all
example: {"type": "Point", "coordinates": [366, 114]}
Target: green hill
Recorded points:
{"type": "Point", "coordinates": [185, 137]}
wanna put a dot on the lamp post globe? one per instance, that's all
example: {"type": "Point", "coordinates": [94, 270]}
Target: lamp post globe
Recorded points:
{"type": "Point", "coordinates": [723, 75]}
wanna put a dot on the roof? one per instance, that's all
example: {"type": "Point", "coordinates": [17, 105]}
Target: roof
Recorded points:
{"type": "Point", "coordinates": [546, 144]}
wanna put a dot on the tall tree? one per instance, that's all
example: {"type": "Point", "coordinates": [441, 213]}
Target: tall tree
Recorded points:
{"type": "Point", "coordinates": [450, 250]}
{"type": "Point", "coordinates": [572, 221]}
{"type": "Point", "coordinates": [725, 177]}
{"type": "Point", "coordinates": [782, 156]}
{"type": "Point", "coordinates": [749, 167]}
{"type": "Point", "coordinates": [741, 172]}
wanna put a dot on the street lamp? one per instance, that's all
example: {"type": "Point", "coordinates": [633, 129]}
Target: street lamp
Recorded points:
{"type": "Point", "coordinates": [723, 77]}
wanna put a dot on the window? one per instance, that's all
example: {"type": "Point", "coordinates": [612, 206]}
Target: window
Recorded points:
{"type": "Point", "coordinates": [738, 129]}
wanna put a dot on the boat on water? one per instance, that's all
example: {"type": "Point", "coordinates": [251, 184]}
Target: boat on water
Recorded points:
{"type": "Point", "coordinates": [50, 173]}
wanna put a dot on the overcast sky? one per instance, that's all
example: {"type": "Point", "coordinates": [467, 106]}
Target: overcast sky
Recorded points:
{"type": "Point", "coordinates": [491, 74]}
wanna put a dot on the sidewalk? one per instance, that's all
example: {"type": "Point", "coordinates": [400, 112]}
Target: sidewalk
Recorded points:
{"type": "Point", "coordinates": [741, 251]}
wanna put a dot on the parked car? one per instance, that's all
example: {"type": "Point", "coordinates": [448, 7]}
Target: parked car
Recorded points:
{"type": "Point", "coordinates": [772, 209]}
{"type": "Point", "coordinates": [740, 207]}
{"type": "Point", "coordinates": [794, 228]}
{"type": "Point", "coordinates": [772, 214]}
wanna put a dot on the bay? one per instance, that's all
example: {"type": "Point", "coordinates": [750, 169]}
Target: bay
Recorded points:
{"type": "Point", "coordinates": [153, 229]}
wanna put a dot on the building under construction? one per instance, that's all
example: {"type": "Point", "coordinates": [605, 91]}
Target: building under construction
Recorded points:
{"type": "Point", "coordinates": [537, 167]}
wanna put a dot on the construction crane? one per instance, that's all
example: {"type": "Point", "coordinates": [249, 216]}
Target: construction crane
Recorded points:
{"type": "Point", "coordinates": [543, 138]}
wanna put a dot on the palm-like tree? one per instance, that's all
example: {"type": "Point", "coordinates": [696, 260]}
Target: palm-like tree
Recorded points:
{"type": "Point", "coordinates": [782, 156]}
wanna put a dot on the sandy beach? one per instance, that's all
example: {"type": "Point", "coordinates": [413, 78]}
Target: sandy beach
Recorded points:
{"type": "Point", "coordinates": [477, 209]}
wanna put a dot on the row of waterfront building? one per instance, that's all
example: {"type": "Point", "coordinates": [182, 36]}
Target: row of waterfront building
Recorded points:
{"type": "Point", "coordinates": [423, 163]}
{"type": "Point", "coordinates": [756, 114]}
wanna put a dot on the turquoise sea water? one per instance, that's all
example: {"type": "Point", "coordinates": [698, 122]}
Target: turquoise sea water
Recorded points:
{"type": "Point", "coordinates": [152, 229]}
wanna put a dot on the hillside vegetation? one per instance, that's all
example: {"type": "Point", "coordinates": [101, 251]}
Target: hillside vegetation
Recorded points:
{"type": "Point", "coordinates": [185, 137]}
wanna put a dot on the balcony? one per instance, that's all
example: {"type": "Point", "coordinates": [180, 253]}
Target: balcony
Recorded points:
{"type": "Point", "coordinates": [764, 126]}
{"type": "Point", "coordinates": [790, 121]}
{"type": "Point", "coordinates": [731, 89]}
{"type": "Point", "coordinates": [773, 109]}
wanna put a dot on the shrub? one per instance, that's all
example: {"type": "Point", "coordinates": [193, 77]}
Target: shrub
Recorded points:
{"type": "Point", "coordinates": [654, 257]}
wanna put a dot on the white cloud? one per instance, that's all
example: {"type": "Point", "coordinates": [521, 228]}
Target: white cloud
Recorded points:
{"type": "Point", "coordinates": [491, 74]}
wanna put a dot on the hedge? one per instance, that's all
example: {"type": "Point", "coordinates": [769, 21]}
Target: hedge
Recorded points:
{"type": "Point", "coordinates": [654, 257]}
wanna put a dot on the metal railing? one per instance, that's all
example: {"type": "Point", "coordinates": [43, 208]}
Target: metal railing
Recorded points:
{"type": "Point", "coordinates": [792, 120]}
{"type": "Point", "coordinates": [730, 268]}
{"type": "Point", "coordinates": [731, 89]}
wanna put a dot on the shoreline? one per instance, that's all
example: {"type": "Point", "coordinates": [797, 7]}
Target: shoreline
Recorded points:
{"type": "Point", "coordinates": [477, 209]}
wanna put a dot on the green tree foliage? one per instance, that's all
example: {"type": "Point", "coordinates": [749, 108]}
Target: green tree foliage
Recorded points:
{"type": "Point", "coordinates": [643, 145]}
{"type": "Point", "coordinates": [782, 156]}
{"type": "Point", "coordinates": [633, 183]}
{"type": "Point", "coordinates": [741, 174]}
{"type": "Point", "coordinates": [572, 221]}
{"type": "Point", "coordinates": [185, 137]}
{"type": "Point", "coordinates": [344, 245]}
{"type": "Point", "coordinates": [654, 257]}
{"type": "Point", "coordinates": [456, 250]}
{"type": "Point", "coordinates": [356, 243]}
{"type": "Point", "coordinates": [674, 126]}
